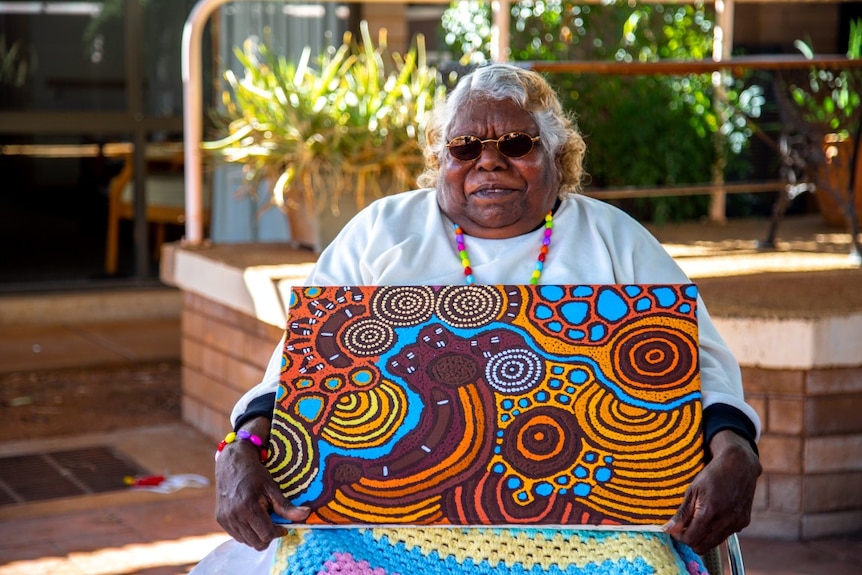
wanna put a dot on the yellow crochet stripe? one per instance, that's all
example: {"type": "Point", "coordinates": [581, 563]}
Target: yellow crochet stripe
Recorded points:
{"type": "Point", "coordinates": [511, 547]}
{"type": "Point", "coordinates": [285, 549]}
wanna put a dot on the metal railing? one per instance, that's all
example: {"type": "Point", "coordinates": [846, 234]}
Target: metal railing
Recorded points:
{"type": "Point", "coordinates": [736, 66]}
{"type": "Point", "coordinates": [193, 116]}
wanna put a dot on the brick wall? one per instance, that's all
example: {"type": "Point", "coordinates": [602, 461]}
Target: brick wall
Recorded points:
{"type": "Point", "coordinates": [811, 451]}
{"type": "Point", "coordinates": [224, 354]}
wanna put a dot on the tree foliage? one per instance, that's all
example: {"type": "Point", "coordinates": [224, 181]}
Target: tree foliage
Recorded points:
{"type": "Point", "coordinates": [640, 130]}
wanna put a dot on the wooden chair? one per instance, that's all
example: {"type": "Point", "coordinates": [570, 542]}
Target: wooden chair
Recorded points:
{"type": "Point", "coordinates": [165, 205]}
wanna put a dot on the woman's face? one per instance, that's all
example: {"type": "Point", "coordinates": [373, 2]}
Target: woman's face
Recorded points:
{"type": "Point", "coordinates": [495, 196]}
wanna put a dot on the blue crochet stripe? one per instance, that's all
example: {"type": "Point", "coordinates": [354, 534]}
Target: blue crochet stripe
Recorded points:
{"type": "Point", "coordinates": [688, 556]}
{"type": "Point", "coordinates": [320, 545]}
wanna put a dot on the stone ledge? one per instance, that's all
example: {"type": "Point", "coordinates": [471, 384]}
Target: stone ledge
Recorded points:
{"type": "Point", "coordinates": [243, 277]}
{"type": "Point", "coordinates": [52, 308]}
{"type": "Point", "coordinates": [239, 276]}
{"type": "Point", "coordinates": [233, 303]}
{"type": "Point", "coordinates": [780, 343]}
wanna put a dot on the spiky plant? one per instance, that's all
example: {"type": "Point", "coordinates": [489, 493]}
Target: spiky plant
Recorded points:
{"type": "Point", "coordinates": [350, 123]}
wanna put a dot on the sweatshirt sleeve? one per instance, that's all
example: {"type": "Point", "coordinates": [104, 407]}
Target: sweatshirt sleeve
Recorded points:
{"type": "Point", "coordinates": [338, 264]}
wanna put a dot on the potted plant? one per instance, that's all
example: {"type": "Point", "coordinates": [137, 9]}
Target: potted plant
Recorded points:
{"type": "Point", "coordinates": [827, 107]}
{"type": "Point", "coordinates": [331, 136]}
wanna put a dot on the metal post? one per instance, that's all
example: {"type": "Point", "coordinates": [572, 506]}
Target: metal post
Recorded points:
{"type": "Point", "coordinates": [193, 128]}
{"type": "Point", "coordinates": [135, 91]}
{"type": "Point", "coordinates": [501, 17]}
{"type": "Point", "coordinates": [721, 50]}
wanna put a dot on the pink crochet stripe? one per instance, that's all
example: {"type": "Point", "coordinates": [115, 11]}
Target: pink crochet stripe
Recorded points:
{"type": "Point", "coordinates": [345, 564]}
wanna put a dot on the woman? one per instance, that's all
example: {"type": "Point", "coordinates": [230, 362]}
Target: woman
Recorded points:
{"type": "Point", "coordinates": [502, 157]}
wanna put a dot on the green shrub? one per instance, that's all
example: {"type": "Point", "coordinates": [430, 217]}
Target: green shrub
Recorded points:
{"type": "Point", "coordinates": [351, 124]}
{"type": "Point", "coordinates": [640, 131]}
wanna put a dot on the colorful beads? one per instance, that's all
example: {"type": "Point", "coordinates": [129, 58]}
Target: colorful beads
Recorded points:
{"type": "Point", "coordinates": [540, 260]}
{"type": "Point", "coordinates": [462, 254]}
{"type": "Point", "coordinates": [243, 435]}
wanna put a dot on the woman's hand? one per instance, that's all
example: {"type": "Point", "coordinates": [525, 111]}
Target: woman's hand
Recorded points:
{"type": "Point", "coordinates": [718, 502]}
{"type": "Point", "coordinates": [246, 493]}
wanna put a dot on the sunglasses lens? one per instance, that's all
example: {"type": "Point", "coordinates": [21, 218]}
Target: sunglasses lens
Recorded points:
{"type": "Point", "coordinates": [465, 148]}
{"type": "Point", "coordinates": [515, 145]}
{"type": "Point", "coordinates": [511, 145]}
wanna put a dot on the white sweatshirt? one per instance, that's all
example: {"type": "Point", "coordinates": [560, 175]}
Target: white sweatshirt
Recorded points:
{"type": "Point", "coordinates": [406, 239]}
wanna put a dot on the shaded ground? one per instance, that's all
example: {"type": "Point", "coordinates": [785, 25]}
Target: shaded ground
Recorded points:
{"type": "Point", "coordinates": [809, 274]}
{"type": "Point", "coordinates": [41, 404]}
{"type": "Point", "coordinates": [810, 294]}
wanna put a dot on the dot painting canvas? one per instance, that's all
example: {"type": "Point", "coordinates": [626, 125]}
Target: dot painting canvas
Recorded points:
{"type": "Point", "coordinates": [489, 405]}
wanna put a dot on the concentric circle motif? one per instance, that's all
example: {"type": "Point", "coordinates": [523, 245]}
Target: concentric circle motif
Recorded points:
{"type": "Point", "coordinates": [619, 428]}
{"type": "Point", "coordinates": [514, 370]}
{"type": "Point", "coordinates": [312, 292]}
{"type": "Point", "coordinates": [368, 418]}
{"type": "Point", "coordinates": [368, 337]}
{"type": "Point", "coordinates": [292, 447]}
{"type": "Point", "coordinates": [542, 442]}
{"type": "Point", "coordinates": [654, 358]}
{"type": "Point", "coordinates": [293, 300]}
{"type": "Point", "coordinates": [402, 306]}
{"type": "Point", "coordinates": [469, 306]}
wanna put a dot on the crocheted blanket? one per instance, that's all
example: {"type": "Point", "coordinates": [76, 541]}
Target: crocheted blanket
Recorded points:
{"type": "Point", "coordinates": [459, 551]}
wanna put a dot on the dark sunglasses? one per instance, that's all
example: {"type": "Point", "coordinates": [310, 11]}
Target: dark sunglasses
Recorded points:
{"type": "Point", "coordinates": [511, 145]}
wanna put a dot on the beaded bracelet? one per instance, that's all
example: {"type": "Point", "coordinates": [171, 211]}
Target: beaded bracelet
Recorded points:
{"type": "Point", "coordinates": [242, 434]}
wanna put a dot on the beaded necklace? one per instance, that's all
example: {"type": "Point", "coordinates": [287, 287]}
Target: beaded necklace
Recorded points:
{"type": "Point", "coordinates": [540, 261]}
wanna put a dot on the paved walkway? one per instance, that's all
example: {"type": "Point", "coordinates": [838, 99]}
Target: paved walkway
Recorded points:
{"type": "Point", "coordinates": [153, 534]}
{"type": "Point", "coordinates": [121, 532]}
{"type": "Point", "coordinates": [138, 532]}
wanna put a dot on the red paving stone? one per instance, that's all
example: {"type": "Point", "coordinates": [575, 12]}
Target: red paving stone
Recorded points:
{"type": "Point", "coordinates": [165, 537]}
